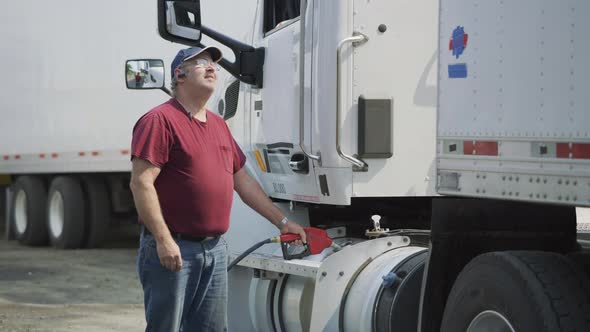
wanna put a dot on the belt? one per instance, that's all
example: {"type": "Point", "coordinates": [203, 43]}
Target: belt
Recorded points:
{"type": "Point", "coordinates": [184, 237]}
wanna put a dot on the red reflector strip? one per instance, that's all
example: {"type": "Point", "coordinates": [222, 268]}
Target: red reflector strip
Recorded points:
{"type": "Point", "coordinates": [573, 150]}
{"type": "Point", "coordinates": [480, 148]}
{"type": "Point", "coordinates": [66, 155]}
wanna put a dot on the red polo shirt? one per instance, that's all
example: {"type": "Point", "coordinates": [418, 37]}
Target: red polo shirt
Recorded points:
{"type": "Point", "coordinates": [197, 161]}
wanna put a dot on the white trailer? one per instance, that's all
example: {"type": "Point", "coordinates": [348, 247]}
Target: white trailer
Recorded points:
{"type": "Point", "coordinates": [335, 104]}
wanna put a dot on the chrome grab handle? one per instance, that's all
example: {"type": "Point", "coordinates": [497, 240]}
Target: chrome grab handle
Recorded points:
{"type": "Point", "coordinates": [299, 163]}
{"type": "Point", "coordinates": [356, 39]}
{"type": "Point", "coordinates": [303, 7]}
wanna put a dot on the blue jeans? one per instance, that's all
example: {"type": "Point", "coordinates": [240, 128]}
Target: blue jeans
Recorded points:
{"type": "Point", "coordinates": [193, 299]}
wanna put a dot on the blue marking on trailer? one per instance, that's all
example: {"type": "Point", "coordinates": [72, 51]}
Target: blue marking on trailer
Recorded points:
{"type": "Point", "coordinates": [458, 41]}
{"type": "Point", "coordinates": [458, 70]}
{"type": "Point", "coordinates": [457, 45]}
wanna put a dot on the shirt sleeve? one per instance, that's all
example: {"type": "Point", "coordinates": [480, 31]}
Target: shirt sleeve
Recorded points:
{"type": "Point", "coordinates": [239, 157]}
{"type": "Point", "coordinates": [151, 140]}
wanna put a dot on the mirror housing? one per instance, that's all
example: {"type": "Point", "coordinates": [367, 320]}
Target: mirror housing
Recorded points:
{"type": "Point", "coordinates": [186, 29]}
{"type": "Point", "coordinates": [180, 21]}
{"type": "Point", "coordinates": [144, 74]}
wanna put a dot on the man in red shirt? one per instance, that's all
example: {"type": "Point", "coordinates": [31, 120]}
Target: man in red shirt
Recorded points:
{"type": "Point", "coordinates": [186, 165]}
{"type": "Point", "coordinates": [137, 79]}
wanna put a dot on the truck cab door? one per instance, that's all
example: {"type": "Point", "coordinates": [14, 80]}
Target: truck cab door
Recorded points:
{"type": "Point", "coordinates": [275, 115]}
{"type": "Point", "coordinates": [275, 107]}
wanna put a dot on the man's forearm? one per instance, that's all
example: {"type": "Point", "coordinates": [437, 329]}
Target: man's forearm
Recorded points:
{"type": "Point", "coordinates": [148, 208]}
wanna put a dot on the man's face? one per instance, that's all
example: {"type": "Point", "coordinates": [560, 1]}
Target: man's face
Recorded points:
{"type": "Point", "coordinates": [201, 73]}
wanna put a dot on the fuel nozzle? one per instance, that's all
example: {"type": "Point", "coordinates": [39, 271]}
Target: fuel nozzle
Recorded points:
{"type": "Point", "coordinates": [317, 241]}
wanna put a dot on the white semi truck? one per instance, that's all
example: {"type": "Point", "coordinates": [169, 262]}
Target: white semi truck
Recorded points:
{"type": "Point", "coordinates": [443, 144]}
{"type": "Point", "coordinates": [347, 118]}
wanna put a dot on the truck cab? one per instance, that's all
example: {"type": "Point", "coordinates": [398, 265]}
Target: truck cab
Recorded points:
{"type": "Point", "coordinates": [337, 108]}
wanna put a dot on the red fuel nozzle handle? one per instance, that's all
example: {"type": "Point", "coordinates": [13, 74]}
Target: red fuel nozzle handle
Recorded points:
{"type": "Point", "coordinates": [317, 241]}
{"type": "Point", "coordinates": [290, 237]}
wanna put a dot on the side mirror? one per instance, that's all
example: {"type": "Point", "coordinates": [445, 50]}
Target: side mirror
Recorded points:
{"type": "Point", "coordinates": [180, 21]}
{"type": "Point", "coordinates": [144, 74]}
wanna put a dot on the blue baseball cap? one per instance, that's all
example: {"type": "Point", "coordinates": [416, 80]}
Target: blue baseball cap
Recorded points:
{"type": "Point", "coordinates": [189, 53]}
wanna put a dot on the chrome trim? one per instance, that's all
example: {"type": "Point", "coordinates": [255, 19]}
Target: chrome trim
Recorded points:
{"type": "Point", "coordinates": [303, 7]}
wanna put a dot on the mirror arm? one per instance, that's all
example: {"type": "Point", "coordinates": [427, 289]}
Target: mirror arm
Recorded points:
{"type": "Point", "coordinates": [166, 90]}
{"type": "Point", "coordinates": [248, 66]}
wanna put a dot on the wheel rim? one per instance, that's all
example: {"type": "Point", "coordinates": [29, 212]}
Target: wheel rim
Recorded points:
{"type": "Point", "coordinates": [490, 321]}
{"type": "Point", "coordinates": [56, 214]}
{"type": "Point", "coordinates": [20, 212]}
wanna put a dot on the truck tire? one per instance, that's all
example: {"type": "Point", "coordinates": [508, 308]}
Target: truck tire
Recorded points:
{"type": "Point", "coordinates": [27, 216]}
{"type": "Point", "coordinates": [97, 208]}
{"type": "Point", "coordinates": [521, 291]}
{"type": "Point", "coordinates": [65, 213]}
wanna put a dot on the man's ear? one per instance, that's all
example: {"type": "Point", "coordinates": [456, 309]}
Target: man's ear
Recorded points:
{"type": "Point", "coordinates": [180, 74]}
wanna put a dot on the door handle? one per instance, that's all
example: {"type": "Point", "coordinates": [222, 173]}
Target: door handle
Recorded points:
{"type": "Point", "coordinates": [356, 39]}
{"type": "Point", "coordinates": [299, 163]}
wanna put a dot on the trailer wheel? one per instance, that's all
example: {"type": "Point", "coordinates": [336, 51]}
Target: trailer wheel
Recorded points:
{"type": "Point", "coordinates": [97, 211]}
{"type": "Point", "coordinates": [27, 216]}
{"type": "Point", "coordinates": [65, 213]}
{"type": "Point", "coordinates": [518, 291]}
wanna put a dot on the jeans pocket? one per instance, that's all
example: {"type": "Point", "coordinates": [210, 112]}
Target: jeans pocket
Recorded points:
{"type": "Point", "coordinates": [144, 263]}
{"type": "Point", "coordinates": [150, 255]}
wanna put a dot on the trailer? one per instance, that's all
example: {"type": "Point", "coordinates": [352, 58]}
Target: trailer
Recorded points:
{"type": "Point", "coordinates": [67, 116]}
